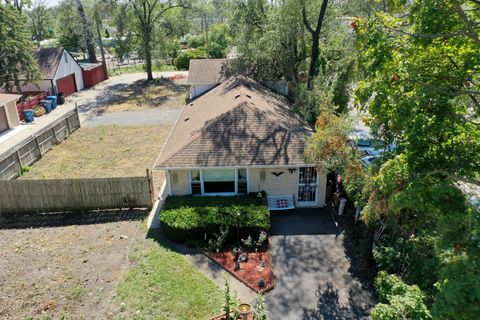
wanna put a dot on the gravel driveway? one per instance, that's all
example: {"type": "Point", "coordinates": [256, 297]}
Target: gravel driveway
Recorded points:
{"type": "Point", "coordinates": [313, 273]}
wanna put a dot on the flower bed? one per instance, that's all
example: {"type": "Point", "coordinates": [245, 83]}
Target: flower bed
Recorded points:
{"type": "Point", "coordinates": [251, 271]}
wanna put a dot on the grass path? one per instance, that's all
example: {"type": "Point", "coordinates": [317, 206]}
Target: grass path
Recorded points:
{"type": "Point", "coordinates": [162, 284]}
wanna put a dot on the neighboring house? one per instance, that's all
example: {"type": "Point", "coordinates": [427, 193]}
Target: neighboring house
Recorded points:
{"type": "Point", "coordinates": [60, 72]}
{"type": "Point", "coordinates": [204, 74]}
{"type": "Point", "coordinates": [241, 137]}
{"type": "Point", "coordinates": [8, 111]}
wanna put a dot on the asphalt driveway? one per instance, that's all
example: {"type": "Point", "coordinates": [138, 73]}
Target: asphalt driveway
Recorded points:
{"type": "Point", "coordinates": [314, 277]}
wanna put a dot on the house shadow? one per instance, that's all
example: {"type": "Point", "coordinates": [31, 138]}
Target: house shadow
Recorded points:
{"type": "Point", "coordinates": [329, 307]}
{"type": "Point", "coordinates": [62, 219]}
{"type": "Point", "coordinates": [304, 222]}
{"type": "Point", "coordinates": [158, 236]}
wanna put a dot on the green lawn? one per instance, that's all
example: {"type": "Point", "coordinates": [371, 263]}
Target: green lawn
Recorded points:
{"type": "Point", "coordinates": [162, 284]}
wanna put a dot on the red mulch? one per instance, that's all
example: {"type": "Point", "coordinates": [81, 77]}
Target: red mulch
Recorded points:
{"type": "Point", "coordinates": [251, 271]}
{"type": "Point", "coordinates": [223, 317]}
{"type": "Point", "coordinates": [177, 77]}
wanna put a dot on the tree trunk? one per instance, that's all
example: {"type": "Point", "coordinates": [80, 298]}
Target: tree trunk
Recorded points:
{"type": "Point", "coordinates": [148, 54]}
{"type": "Point", "coordinates": [87, 33]}
{"type": "Point", "coordinates": [102, 51]}
{"type": "Point", "coordinates": [315, 33]}
{"type": "Point", "coordinates": [313, 68]}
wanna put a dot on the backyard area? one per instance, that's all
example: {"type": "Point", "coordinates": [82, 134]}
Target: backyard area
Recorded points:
{"type": "Point", "coordinates": [102, 151]}
{"type": "Point", "coordinates": [161, 94]}
{"type": "Point", "coordinates": [104, 270]}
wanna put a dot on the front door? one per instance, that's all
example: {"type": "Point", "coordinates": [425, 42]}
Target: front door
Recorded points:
{"type": "Point", "coordinates": [307, 187]}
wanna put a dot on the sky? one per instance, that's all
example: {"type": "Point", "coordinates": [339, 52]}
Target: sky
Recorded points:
{"type": "Point", "coordinates": [51, 3]}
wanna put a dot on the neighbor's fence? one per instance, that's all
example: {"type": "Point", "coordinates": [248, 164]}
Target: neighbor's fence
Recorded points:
{"type": "Point", "coordinates": [61, 195]}
{"type": "Point", "coordinates": [33, 148]}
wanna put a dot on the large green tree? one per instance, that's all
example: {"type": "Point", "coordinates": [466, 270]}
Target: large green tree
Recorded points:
{"type": "Point", "coordinates": [15, 50]}
{"type": "Point", "coordinates": [420, 64]}
{"type": "Point", "coordinates": [148, 14]}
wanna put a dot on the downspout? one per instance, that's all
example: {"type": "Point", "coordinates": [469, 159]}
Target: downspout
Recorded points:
{"type": "Point", "coordinates": [54, 88]}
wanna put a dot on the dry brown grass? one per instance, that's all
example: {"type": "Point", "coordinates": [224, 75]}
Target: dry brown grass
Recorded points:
{"type": "Point", "coordinates": [103, 151]}
{"type": "Point", "coordinates": [158, 94]}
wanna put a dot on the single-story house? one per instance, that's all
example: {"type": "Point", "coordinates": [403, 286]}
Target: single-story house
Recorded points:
{"type": "Point", "coordinates": [8, 111]}
{"type": "Point", "coordinates": [204, 74]}
{"type": "Point", "coordinates": [241, 137]}
{"type": "Point", "coordinates": [60, 72]}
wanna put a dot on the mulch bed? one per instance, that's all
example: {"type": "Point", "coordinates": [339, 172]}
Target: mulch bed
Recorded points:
{"type": "Point", "coordinates": [251, 271]}
{"type": "Point", "coordinates": [223, 317]}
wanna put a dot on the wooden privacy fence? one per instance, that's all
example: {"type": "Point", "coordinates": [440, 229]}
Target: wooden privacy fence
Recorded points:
{"type": "Point", "coordinates": [33, 148]}
{"type": "Point", "coordinates": [62, 195]}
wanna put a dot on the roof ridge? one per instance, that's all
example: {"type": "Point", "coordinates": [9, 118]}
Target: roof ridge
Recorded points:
{"type": "Point", "coordinates": [202, 132]}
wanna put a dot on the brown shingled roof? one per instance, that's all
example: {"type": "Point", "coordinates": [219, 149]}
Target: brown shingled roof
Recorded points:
{"type": "Point", "coordinates": [48, 60]}
{"type": "Point", "coordinates": [238, 123]}
{"type": "Point", "coordinates": [207, 71]}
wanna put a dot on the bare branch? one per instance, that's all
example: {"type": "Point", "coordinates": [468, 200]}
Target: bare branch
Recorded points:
{"type": "Point", "coordinates": [470, 29]}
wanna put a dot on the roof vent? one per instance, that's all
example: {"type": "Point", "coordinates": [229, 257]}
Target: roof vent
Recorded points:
{"type": "Point", "coordinates": [186, 119]}
{"type": "Point", "coordinates": [191, 104]}
{"type": "Point", "coordinates": [248, 96]}
{"type": "Point", "coordinates": [237, 96]}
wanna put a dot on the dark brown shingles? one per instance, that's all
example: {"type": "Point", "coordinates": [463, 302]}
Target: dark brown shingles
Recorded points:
{"type": "Point", "coordinates": [207, 71]}
{"type": "Point", "coordinates": [237, 123]}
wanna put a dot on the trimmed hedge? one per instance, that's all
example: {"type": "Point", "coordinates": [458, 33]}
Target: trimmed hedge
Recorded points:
{"type": "Point", "coordinates": [189, 218]}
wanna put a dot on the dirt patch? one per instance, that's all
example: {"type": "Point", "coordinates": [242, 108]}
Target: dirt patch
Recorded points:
{"type": "Point", "coordinates": [257, 267]}
{"type": "Point", "coordinates": [67, 272]}
{"type": "Point", "coordinates": [157, 94]}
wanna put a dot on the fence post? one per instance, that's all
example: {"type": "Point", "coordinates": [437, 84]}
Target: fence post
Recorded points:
{"type": "Point", "coordinates": [54, 134]}
{"type": "Point", "coordinates": [78, 115]}
{"type": "Point", "coordinates": [150, 184]}
{"type": "Point", "coordinates": [38, 147]}
{"type": "Point", "coordinates": [68, 126]}
{"type": "Point", "coordinates": [19, 159]}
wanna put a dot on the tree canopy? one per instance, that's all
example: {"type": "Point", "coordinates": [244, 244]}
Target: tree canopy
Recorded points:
{"type": "Point", "coordinates": [16, 50]}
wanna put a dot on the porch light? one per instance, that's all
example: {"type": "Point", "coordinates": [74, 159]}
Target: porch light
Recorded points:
{"type": "Point", "coordinates": [292, 170]}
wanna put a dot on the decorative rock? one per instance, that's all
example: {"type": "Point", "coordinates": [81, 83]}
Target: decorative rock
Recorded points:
{"type": "Point", "coordinates": [261, 283]}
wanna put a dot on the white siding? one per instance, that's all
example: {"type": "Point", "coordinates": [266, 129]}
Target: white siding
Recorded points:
{"type": "Point", "coordinates": [68, 66]}
{"type": "Point", "coordinates": [196, 90]}
{"type": "Point", "coordinates": [44, 85]}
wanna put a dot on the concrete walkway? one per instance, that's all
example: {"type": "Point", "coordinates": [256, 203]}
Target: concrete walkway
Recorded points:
{"type": "Point", "coordinates": [314, 275]}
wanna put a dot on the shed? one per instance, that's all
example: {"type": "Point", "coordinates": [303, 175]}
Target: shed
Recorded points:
{"type": "Point", "coordinates": [8, 111]}
{"type": "Point", "coordinates": [60, 72]}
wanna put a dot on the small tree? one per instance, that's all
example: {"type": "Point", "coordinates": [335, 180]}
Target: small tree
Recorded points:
{"type": "Point", "coordinates": [259, 308]}
{"type": "Point", "coordinates": [231, 302]}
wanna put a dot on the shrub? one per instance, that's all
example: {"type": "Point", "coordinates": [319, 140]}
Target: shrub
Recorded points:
{"type": "Point", "coordinates": [187, 217]}
{"type": "Point", "coordinates": [182, 61]}
{"type": "Point", "coordinates": [398, 300]}
{"type": "Point", "coordinates": [414, 259]}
